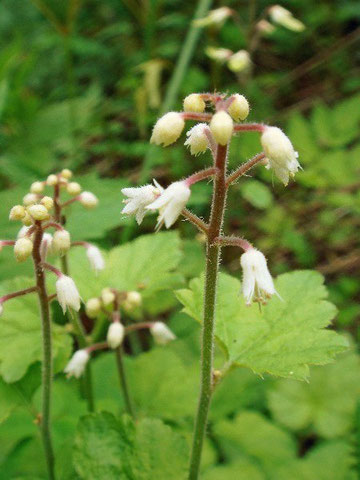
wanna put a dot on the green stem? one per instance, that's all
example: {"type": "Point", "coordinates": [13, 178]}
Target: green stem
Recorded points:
{"type": "Point", "coordinates": [177, 78]}
{"type": "Point", "coordinates": [211, 275]}
{"type": "Point", "coordinates": [123, 382]}
{"type": "Point", "coordinates": [47, 354]}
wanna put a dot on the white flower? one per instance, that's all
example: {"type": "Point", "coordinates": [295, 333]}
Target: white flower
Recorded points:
{"type": "Point", "coordinates": [214, 17]}
{"type": "Point", "coordinates": [45, 245]}
{"type": "Point", "coordinates": [88, 200]}
{"type": "Point", "coordinates": [280, 152]}
{"type": "Point", "coordinates": [17, 213]}
{"type": "Point", "coordinates": [37, 187]}
{"type": "Point", "coordinates": [221, 127]}
{"type": "Point", "coordinates": [161, 333]}
{"type": "Point", "coordinates": [167, 129]}
{"type": "Point", "coordinates": [93, 307]}
{"type": "Point", "coordinates": [133, 300]}
{"type": "Point", "coordinates": [61, 242]}
{"type": "Point", "coordinates": [67, 293]}
{"type": "Point", "coordinates": [170, 203]}
{"type": "Point", "coordinates": [239, 107]}
{"type": "Point", "coordinates": [115, 334]}
{"type": "Point", "coordinates": [23, 248]}
{"type": "Point", "coordinates": [239, 61]}
{"type": "Point", "coordinates": [48, 202]}
{"type": "Point", "coordinates": [23, 231]}
{"type": "Point", "coordinates": [95, 258]}
{"type": "Point", "coordinates": [197, 140]}
{"type": "Point", "coordinates": [38, 212]}
{"type": "Point", "coordinates": [194, 103]}
{"type": "Point", "coordinates": [77, 364]}
{"type": "Point", "coordinates": [257, 281]}
{"type": "Point", "coordinates": [139, 198]}
{"type": "Point", "coordinates": [30, 199]}
{"type": "Point", "coordinates": [73, 188]}
{"type": "Point", "coordinates": [283, 17]}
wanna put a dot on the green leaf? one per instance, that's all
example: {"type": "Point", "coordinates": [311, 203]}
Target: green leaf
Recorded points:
{"type": "Point", "coordinates": [282, 339]}
{"type": "Point", "coordinates": [20, 333]}
{"type": "Point", "coordinates": [239, 470]}
{"type": "Point", "coordinates": [112, 449]}
{"type": "Point", "coordinates": [320, 405]}
{"type": "Point", "coordinates": [257, 194]}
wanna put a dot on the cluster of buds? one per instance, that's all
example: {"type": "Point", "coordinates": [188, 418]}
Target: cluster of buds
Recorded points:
{"type": "Point", "coordinates": [111, 303]}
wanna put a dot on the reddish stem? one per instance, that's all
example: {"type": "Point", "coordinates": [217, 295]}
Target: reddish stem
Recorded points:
{"type": "Point", "coordinates": [7, 243]}
{"type": "Point", "coordinates": [233, 242]}
{"type": "Point", "coordinates": [198, 176]}
{"type": "Point", "coordinates": [52, 269]}
{"type": "Point", "coordinates": [55, 225]}
{"type": "Point", "coordinates": [244, 168]}
{"type": "Point", "coordinates": [19, 293]}
{"type": "Point", "coordinates": [138, 326]}
{"type": "Point", "coordinates": [249, 127]}
{"type": "Point", "coordinates": [199, 117]}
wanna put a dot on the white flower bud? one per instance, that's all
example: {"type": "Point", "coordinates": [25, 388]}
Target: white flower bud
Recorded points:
{"type": "Point", "coordinates": [161, 333]}
{"type": "Point", "coordinates": [37, 187]}
{"type": "Point", "coordinates": [239, 108]}
{"type": "Point", "coordinates": [280, 152]}
{"type": "Point", "coordinates": [61, 242]}
{"type": "Point", "coordinates": [93, 307]}
{"type": "Point", "coordinates": [23, 231]}
{"type": "Point", "coordinates": [48, 202]}
{"type": "Point", "coordinates": [30, 199]}
{"type": "Point", "coordinates": [197, 140]}
{"type": "Point", "coordinates": [194, 103]}
{"type": "Point", "coordinates": [139, 198]}
{"type": "Point", "coordinates": [283, 17]}
{"type": "Point", "coordinates": [23, 248]}
{"type": "Point", "coordinates": [95, 258]}
{"type": "Point", "coordinates": [265, 27]}
{"type": "Point", "coordinates": [214, 17]}
{"type": "Point", "coordinates": [66, 173]}
{"type": "Point", "coordinates": [221, 127]}
{"type": "Point", "coordinates": [67, 293]}
{"type": "Point", "coordinates": [27, 220]}
{"type": "Point", "coordinates": [218, 54]}
{"type": "Point", "coordinates": [52, 180]}
{"type": "Point", "coordinates": [77, 364]}
{"type": "Point", "coordinates": [88, 200]}
{"type": "Point", "coordinates": [115, 335]}
{"type": "Point", "coordinates": [239, 61]}
{"type": "Point", "coordinates": [133, 300]}
{"type": "Point", "coordinates": [170, 203]}
{"type": "Point", "coordinates": [17, 213]}
{"type": "Point", "coordinates": [107, 296]}
{"type": "Point", "coordinates": [257, 281]}
{"type": "Point", "coordinates": [45, 246]}
{"type": "Point", "coordinates": [73, 188]}
{"type": "Point", "coordinates": [38, 212]}
{"type": "Point", "coordinates": [167, 129]}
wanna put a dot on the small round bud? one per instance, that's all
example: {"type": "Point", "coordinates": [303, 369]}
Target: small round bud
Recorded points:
{"type": "Point", "coordinates": [239, 108]}
{"type": "Point", "coordinates": [66, 173]}
{"type": "Point", "coordinates": [17, 213]}
{"type": "Point", "coordinates": [88, 200]}
{"type": "Point", "coordinates": [133, 300]}
{"type": "Point", "coordinates": [48, 202]}
{"type": "Point", "coordinates": [52, 180]}
{"type": "Point", "coordinates": [73, 188]}
{"type": "Point", "coordinates": [115, 335]}
{"type": "Point", "coordinates": [37, 187]}
{"type": "Point", "coordinates": [93, 307]}
{"type": "Point", "coordinates": [38, 212]}
{"type": "Point", "coordinates": [107, 297]}
{"type": "Point", "coordinates": [61, 242]}
{"type": "Point", "coordinates": [30, 199]}
{"type": "Point", "coordinates": [23, 248]}
{"type": "Point", "coordinates": [239, 61]}
{"type": "Point", "coordinates": [167, 129]}
{"type": "Point", "coordinates": [161, 333]}
{"type": "Point", "coordinates": [27, 220]}
{"type": "Point", "coordinates": [194, 103]}
{"type": "Point", "coordinates": [221, 127]}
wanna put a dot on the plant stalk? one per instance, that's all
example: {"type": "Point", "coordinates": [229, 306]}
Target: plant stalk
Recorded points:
{"type": "Point", "coordinates": [211, 275]}
{"type": "Point", "coordinates": [45, 425]}
{"type": "Point", "coordinates": [123, 382]}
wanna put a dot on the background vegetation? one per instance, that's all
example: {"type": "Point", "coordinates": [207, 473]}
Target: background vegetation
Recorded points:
{"type": "Point", "coordinates": [81, 83]}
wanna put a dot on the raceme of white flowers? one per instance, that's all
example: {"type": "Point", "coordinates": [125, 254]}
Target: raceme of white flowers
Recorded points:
{"type": "Point", "coordinates": [257, 282]}
{"type": "Point", "coordinates": [77, 364]}
{"type": "Point", "coordinates": [67, 293]}
{"type": "Point", "coordinates": [161, 333]}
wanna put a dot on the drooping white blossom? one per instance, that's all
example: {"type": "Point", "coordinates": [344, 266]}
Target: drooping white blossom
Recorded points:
{"type": "Point", "coordinates": [285, 18]}
{"type": "Point", "coordinates": [257, 282]}
{"type": "Point", "coordinates": [161, 333]}
{"type": "Point", "coordinates": [115, 334]}
{"type": "Point", "coordinates": [139, 198]}
{"type": "Point", "coordinates": [170, 203]}
{"type": "Point", "coordinates": [280, 153]}
{"type": "Point", "coordinates": [45, 245]}
{"type": "Point", "coordinates": [61, 242]}
{"type": "Point", "coordinates": [95, 258]}
{"type": "Point", "coordinates": [197, 140]}
{"type": "Point", "coordinates": [77, 364]}
{"type": "Point", "coordinates": [67, 293]}
{"type": "Point", "coordinates": [23, 248]}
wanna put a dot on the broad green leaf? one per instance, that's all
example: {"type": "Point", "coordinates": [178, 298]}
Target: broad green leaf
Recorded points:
{"type": "Point", "coordinates": [239, 470]}
{"type": "Point", "coordinates": [320, 405]}
{"type": "Point", "coordinates": [20, 334]}
{"type": "Point", "coordinates": [119, 449]}
{"type": "Point", "coordinates": [257, 194]}
{"type": "Point", "coordinates": [285, 337]}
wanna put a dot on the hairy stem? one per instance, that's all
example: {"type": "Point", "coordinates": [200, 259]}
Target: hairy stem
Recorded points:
{"type": "Point", "coordinates": [194, 219]}
{"type": "Point", "coordinates": [244, 168]}
{"type": "Point", "coordinates": [211, 275]}
{"type": "Point", "coordinates": [47, 353]}
{"type": "Point", "coordinates": [123, 382]}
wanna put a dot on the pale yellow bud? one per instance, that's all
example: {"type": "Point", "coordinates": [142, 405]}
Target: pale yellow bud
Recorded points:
{"type": "Point", "coordinates": [239, 61]}
{"type": "Point", "coordinates": [73, 188]}
{"type": "Point", "coordinates": [194, 103]}
{"type": "Point", "coordinates": [88, 200]}
{"type": "Point", "coordinates": [52, 180]}
{"type": "Point", "coordinates": [37, 187]}
{"type": "Point", "coordinates": [63, 182]}
{"type": "Point", "coordinates": [221, 127]}
{"type": "Point", "coordinates": [107, 296]}
{"type": "Point", "coordinates": [48, 202]}
{"type": "Point", "coordinates": [61, 242]}
{"type": "Point", "coordinates": [23, 248]}
{"type": "Point", "coordinates": [167, 129]}
{"type": "Point", "coordinates": [93, 307]}
{"type": "Point", "coordinates": [38, 212]}
{"type": "Point", "coordinates": [27, 220]}
{"type": "Point", "coordinates": [30, 199]}
{"type": "Point", "coordinates": [239, 108]}
{"type": "Point", "coordinates": [133, 300]}
{"type": "Point", "coordinates": [66, 173]}
{"type": "Point", "coordinates": [17, 213]}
